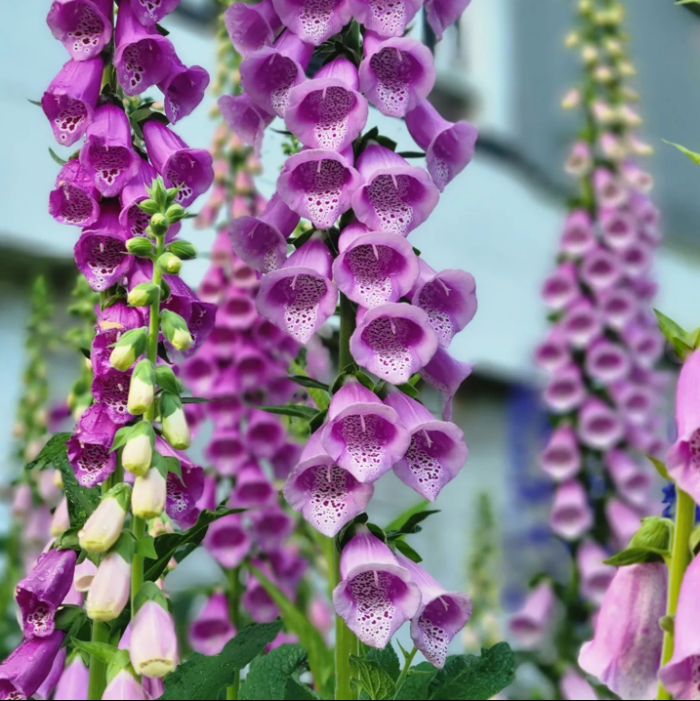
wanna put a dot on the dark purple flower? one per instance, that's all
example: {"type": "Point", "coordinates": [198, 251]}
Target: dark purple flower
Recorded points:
{"type": "Point", "coordinates": [112, 322]}
{"type": "Point", "coordinates": [385, 18]}
{"type": "Point", "coordinates": [70, 101]}
{"type": "Point", "coordinates": [184, 494]}
{"type": "Point", "coordinates": [183, 89]}
{"type": "Point", "coordinates": [244, 118]}
{"type": "Point", "coordinates": [132, 218]}
{"type": "Point", "coordinates": [75, 199]}
{"type": "Point", "coordinates": [237, 311]}
{"type": "Point", "coordinates": [111, 389]}
{"type": "Point", "coordinates": [265, 434]}
{"type": "Point", "coordinates": [84, 27]}
{"type": "Point", "coordinates": [150, 12]}
{"type": "Point", "coordinates": [442, 14]}
{"type": "Point", "coordinates": [270, 526]}
{"type": "Point", "coordinates": [314, 21]}
{"type": "Point", "coordinates": [253, 488]}
{"type": "Point", "coordinates": [212, 629]}
{"type": "Point", "coordinates": [89, 447]}
{"type": "Point", "coordinates": [252, 26]}
{"type": "Point", "coordinates": [228, 541]}
{"type": "Point", "coordinates": [227, 452]}
{"type": "Point", "coordinates": [24, 671]}
{"type": "Point", "coordinates": [190, 169]}
{"type": "Point", "coordinates": [200, 316]}
{"type": "Point", "coordinates": [446, 374]}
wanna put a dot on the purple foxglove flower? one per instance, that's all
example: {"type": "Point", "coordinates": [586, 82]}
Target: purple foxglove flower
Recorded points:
{"type": "Point", "coordinates": [24, 671]}
{"type": "Point", "coordinates": [580, 161]}
{"type": "Point", "coordinates": [199, 316]}
{"type": "Point", "coordinates": [566, 390]}
{"type": "Point", "coordinates": [446, 375]}
{"type": "Point", "coordinates": [257, 602]}
{"type": "Point", "coordinates": [529, 626]}
{"type": "Point", "coordinates": [110, 589]}
{"type": "Point", "coordinates": [561, 288]}
{"type": "Point", "coordinates": [575, 688]}
{"type": "Point", "coordinates": [252, 368]}
{"type": "Point", "coordinates": [269, 74]}
{"type": "Point", "coordinates": [442, 14]}
{"type": "Point", "coordinates": [300, 297]}
{"type": "Point", "coordinates": [595, 575]}
{"type": "Point", "coordinates": [607, 362]}
{"type": "Point", "coordinates": [600, 427]}
{"type": "Point", "coordinates": [581, 323]}
{"type": "Point", "coordinates": [183, 495]}
{"type": "Point", "coordinates": [449, 299]}
{"type": "Point", "coordinates": [89, 447]}
{"type": "Point", "coordinates": [253, 488]}
{"type": "Point", "coordinates": [264, 435]}
{"type": "Point", "coordinates": [108, 153]}
{"type": "Point", "coordinates": [285, 459]}
{"type": "Point", "coordinates": [319, 186]}
{"type": "Point", "coordinates": [631, 481]}
{"type": "Point", "coordinates": [601, 269]}
{"type": "Point", "coordinates": [624, 521]}
{"type": "Point", "coordinates": [270, 526]}
{"type": "Point", "coordinates": [143, 56]}
{"type": "Point", "coordinates": [124, 686]}
{"type": "Point", "coordinates": [132, 218]}
{"type": "Point", "coordinates": [625, 653]}
{"type": "Point", "coordinates": [618, 308]}
{"type": "Point", "coordinates": [571, 515]}
{"type": "Point", "coordinates": [45, 691]}
{"type": "Point", "coordinates": [199, 373]}
{"type": "Point", "coordinates": [561, 459]}
{"type": "Point", "coordinates": [23, 501]}
{"type": "Point", "coordinates": [84, 27]}
{"type": "Point", "coordinates": [396, 75]}
{"type": "Point", "coordinates": [75, 199]}
{"type": "Point", "coordinates": [646, 344]}
{"type": "Point", "coordinates": [376, 595]}
{"type": "Point", "coordinates": [153, 648]}
{"type": "Point", "coordinates": [244, 118]}
{"type": "Point", "coordinates": [578, 237]}
{"type": "Point", "coordinates": [618, 228]}
{"type": "Point", "coordinates": [394, 341]}
{"type": "Point", "coordinates": [610, 190]}
{"type": "Point", "coordinates": [385, 20]}
{"type": "Point", "coordinates": [636, 260]}
{"type": "Point", "coordinates": [288, 567]}
{"type": "Point", "coordinates": [396, 197]}
{"type": "Point", "coordinates": [111, 324]}
{"type": "Point", "coordinates": [252, 27]}
{"type": "Point", "coordinates": [553, 353]}
{"type": "Point", "coordinates": [150, 12]}
{"type": "Point", "coordinates": [111, 389]}
{"type": "Point", "coordinates": [40, 593]}
{"type": "Point", "coordinates": [73, 684]}
{"type": "Point", "coordinates": [328, 112]}
{"type": "Point", "coordinates": [363, 435]}
{"type": "Point", "coordinates": [227, 451]}
{"type": "Point", "coordinates": [183, 89]}
{"type": "Point", "coordinates": [212, 629]}
{"type": "Point", "coordinates": [228, 542]}
{"type": "Point", "coordinates": [437, 451]}
{"type": "Point", "coordinates": [190, 169]}
{"type": "Point", "coordinates": [635, 402]}
{"type": "Point", "coordinates": [314, 22]}
{"type": "Point", "coordinates": [70, 101]}
{"type": "Point", "coordinates": [449, 147]}
{"type": "Point", "coordinates": [237, 310]}
{"type": "Point", "coordinates": [441, 615]}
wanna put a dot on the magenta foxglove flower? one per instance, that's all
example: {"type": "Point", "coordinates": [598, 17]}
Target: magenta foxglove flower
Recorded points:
{"type": "Point", "coordinates": [618, 307]}
{"type": "Point", "coordinates": [595, 575]}
{"type": "Point", "coordinates": [396, 75]}
{"type": "Point", "coordinates": [300, 297]}
{"type": "Point", "coordinates": [601, 269]}
{"type": "Point", "coordinates": [150, 12]}
{"type": "Point", "coordinates": [442, 14]}
{"type": "Point", "coordinates": [580, 161]}
{"type": "Point", "coordinates": [365, 436]}
{"type": "Point", "coordinates": [600, 427]}
{"type": "Point", "coordinates": [73, 684]}
{"type": "Point", "coordinates": [529, 626]}
{"type": "Point", "coordinates": [646, 343]}
{"type": "Point", "coordinates": [253, 488]}
{"type": "Point", "coordinates": [319, 186]}
{"type": "Point", "coordinates": [437, 451]}
{"type": "Point", "coordinates": [270, 526]}
{"type": "Point", "coordinates": [108, 153]}
{"type": "Point", "coordinates": [610, 191]}
{"type": "Point", "coordinates": [328, 112]}
{"type": "Point", "coordinates": [578, 237]}
{"type": "Point", "coordinates": [143, 56]}
{"type": "Point", "coordinates": [153, 648]}
{"type": "Point", "coordinates": [449, 147]}
{"type": "Point", "coordinates": [636, 260]}
{"type": "Point", "coordinates": [257, 602]}
{"type": "Point", "coordinates": [327, 495]}
{"type": "Point", "coordinates": [553, 353]}
{"type": "Point", "coordinates": [385, 20]}
{"type": "Point", "coordinates": [89, 447]}
{"type": "Point", "coordinates": [199, 316]}
{"type": "Point", "coordinates": [124, 686]}
{"type": "Point", "coordinates": [607, 362]}
{"type": "Point", "coordinates": [312, 21]}
{"type": "Point", "coordinates": [449, 299]}
{"type": "Point", "coordinates": [190, 169]}
{"type": "Point", "coordinates": [396, 197]}
{"type": "Point", "coordinates": [212, 629]}
{"type": "Point", "coordinates": [288, 567]}
{"type": "Point", "coordinates": [25, 670]}
{"type": "Point", "coordinates": [84, 27]}
{"type": "Point", "coordinates": [75, 199]}
{"type": "Point", "coordinates": [561, 288]}
{"type": "Point", "coordinates": [618, 228]}
{"type": "Point", "coordinates": [624, 521]}
{"type": "Point", "coordinates": [43, 590]}
{"type": "Point", "coordinates": [45, 691]}
{"type": "Point", "coordinates": [581, 323]}
{"type": "Point", "coordinates": [269, 74]}
{"type": "Point", "coordinates": [376, 595]}
{"type": "Point", "coordinates": [183, 90]}
{"type": "Point", "coordinates": [571, 515]}
{"type": "Point", "coordinates": [237, 310]}
{"type": "Point", "coordinates": [243, 117]}
{"type": "Point", "coordinates": [446, 375]}
{"type": "Point", "coordinates": [183, 494]}
{"type": "Point", "coordinates": [252, 368]}
{"type": "Point", "coordinates": [625, 653]}
{"type": "Point", "coordinates": [110, 388]}
{"type": "Point", "coordinates": [132, 218]}
{"type": "Point", "coordinates": [252, 27]}
{"type": "Point", "coordinates": [561, 459]}
{"type": "Point", "coordinates": [228, 541]}
{"type": "Point", "coordinates": [265, 435]}
{"type": "Point", "coordinates": [394, 341]}
{"type": "Point", "coordinates": [575, 688]}
{"type": "Point", "coordinates": [70, 101]}
{"type": "Point", "coordinates": [632, 482]}
{"type": "Point", "coordinates": [566, 390]}
{"type": "Point", "coordinates": [375, 268]}
{"type": "Point", "coordinates": [441, 615]}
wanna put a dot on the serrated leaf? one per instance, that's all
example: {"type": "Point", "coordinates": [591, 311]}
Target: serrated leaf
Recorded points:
{"type": "Point", "coordinates": [660, 468]}
{"type": "Point", "coordinates": [415, 686]}
{"type": "Point", "coordinates": [387, 659]}
{"type": "Point", "coordinates": [57, 158]}
{"type": "Point", "coordinates": [295, 410]}
{"type": "Point", "coordinates": [296, 691]}
{"type": "Point", "coordinates": [695, 157]}
{"type": "Point", "coordinates": [268, 675]}
{"type": "Point", "coordinates": [53, 448]}
{"type": "Point", "coordinates": [81, 501]}
{"type": "Point", "coordinates": [412, 524]}
{"type": "Point", "coordinates": [203, 677]}
{"type": "Point", "coordinates": [373, 679]}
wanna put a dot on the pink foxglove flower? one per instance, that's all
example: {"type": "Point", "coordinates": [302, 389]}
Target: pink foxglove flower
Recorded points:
{"type": "Point", "coordinates": [578, 237]}
{"type": "Point", "coordinates": [553, 353]}
{"type": "Point", "coordinates": [632, 482]}
{"type": "Point", "coordinates": [253, 488]}
{"type": "Point", "coordinates": [84, 27]}
{"type": "Point", "coordinates": [270, 526]}
{"type": "Point", "coordinates": [571, 516]}
{"type": "Point", "coordinates": [124, 686]}
{"type": "Point", "coordinates": [561, 459]}
{"type": "Point", "coordinates": [237, 310]}
{"type": "Point", "coordinates": [153, 648]}
{"type": "Point", "coordinates": [252, 27]}
{"type": "Point", "coordinates": [212, 629]}
{"type": "Point", "coordinates": [601, 269]}
{"type": "Point", "coordinates": [442, 14]}
{"type": "Point", "coordinates": [562, 287]}
{"type": "Point", "coordinates": [618, 308]}
{"type": "Point", "coordinates": [45, 691]}
{"type": "Point", "coordinates": [265, 434]}
{"type": "Point", "coordinates": [581, 323]}
{"type": "Point", "coordinates": [618, 228]}
{"type": "Point", "coordinates": [530, 624]}
{"type": "Point", "coordinates": [595, 575]}
{"type": "Point", "coordinates": [600, 427]}
{"type": "Point", "coordinates": [386, 20]}
{"type": "Point", "coordinates": [575, 688]}
{"type": "Point", "coordinates": [566, 390]}
{"type": "Point", "coordinates": [607, 362]}
{"type": "Point", "coordinates": [624, 521]}
{"type": "Point", "coordinates": [228, 541]}
{"type": "Point", "coordinates": [580, 161]}
{"type": "Point", "coordinates": [110, 589]}
{"type": "Point", "coordinates": [89, 449]}
{"type": "Point", "coordinates": [183, 89]}
{"type": "Point", "coordinates": [312, 21]}
{"type": "Point", "coordinates": [446, 375]}
{"type": "Point", "coordinates": [111, 389]}
{"type": "Point", "coordinates": [73, 684]}
{"type": "Point", "coordinates": [75, 199]}
{"type": "Point", "coordinates": [610, 191]}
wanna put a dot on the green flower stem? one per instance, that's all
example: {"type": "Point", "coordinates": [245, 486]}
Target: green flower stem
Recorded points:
{"type": "Point", "coordinates": [234, 604]}
{"type": "Point", "coordinates": [406, 669]}
{"type": "Point", "coordinates": [680, 559]}
{"type": "Point", "coordinates": [347, 328]}
{"type": "Point", "coordinates": [98, 669]}
{"type": "Point", "coordinates": [346, 645]}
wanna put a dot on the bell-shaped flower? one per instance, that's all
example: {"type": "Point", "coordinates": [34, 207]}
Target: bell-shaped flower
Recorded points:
{"type": "Point", "coordinates": [60, 521]}
{"type": "Point", "coordinates": [437, 451]}
{"type": "Point", "coordinates": [601, 269]}
{"type": "Point", "coordinates": [73, 684]}
{"type": "Point", "coordinates": [581, 323]}
{"type": "Point", "coordinates": [446, 375]}
{"type": "Point", "coordinates": [45, 691]}
{"type": "Point", "coordinates": [580, 160]}
{"type": "Point", "coordinates": [632, 482]}
{"type": "Point", "coordinates": [575, 688]}
{"type": "Point", "coordinates": [89, 448]}
{"type": "Point", "coordinates": [624, 521]}
{"type": "Point", "coordinates": [252, 368]}
{"type": "Point", "coordinates": [183, 90]}
{"type": "Point", "coordinates": [132, 217]}
{"type": "Point", "coordinates": [562, 287]}
{"type": "Point", "coordinates": [111, 389]}
{"type": "Point", "coordinates": [625, 654]}
{"type": "Point", "coordinates": [449, 148]}
{"type": "Point", "coordinates": [561, 459]}
{"type": "Point", "coordinates": [571, 517]}
{"type": "Point", "coordinates": [256, 601]}
{"type": "Point", "coordinates": [264, 434]}
{"type": "Point", "coordinates": [618, 307]}
{"type": "Point", "coordinates": [442, 14]}
{"type": "Point", "coordinates": [328, 112]}
{"type": "Point", "coordinates": [396, 197]}
{"type": "Point", "coordinates": [610, 190]}
{"type": "Point", "coordinates": [529, 626]}
{"type": "Point", "coordinates": [84, 27]}
{"type": "Point", "coordinates": [607, 362]}
{"type": "Point", "coordinates": [228, 542]}
{"type": "Point", "coordinates": [288, 567]}
{"type": "Point", "coordinates": [594, 574]}
{"type": "Point", "coordinates": [199, 316]}
{"type": "Point", "coordinates": [319, 186]}
{"type": "Point", "coordinates": [43, 590]}
{"type": "Point", "coordinates": [124, 686]}
{"type": "Point", "coordinates": [83, 575]}
{"type": "Point", "coordinates": [253, 488]}
{"type": "Point", "coordinates": [150, 12]}
{"type": "Point", "coordinates": [646, 343]}
{"type": "Point", "coordinates": [243, 117]}
{"type": "Point", "coordinates": [104, 526]}
{"type": "Point", "coordinates": [108, 153]}
{"type": "Point", "coordinates": [149, 495]}
{"type": "Point", "coordinates": [237, 310]}
{"type": "Point", "coordinates": [385, 20]}
{"type": "Point", "coordinates": [110, 589]}
{"type": "Point", "coordinates": [328, 495]}
{"type": "Point", "coordinates": [312, 21]}
{"type": "Point", "coordinates": [634, 401]}
{"type": "Point", "coordinates": [70, 101]}
{"type": "Point", "coordinates": [143, 56]}
{"type": "Point", "coordinates": [300, 297]}
{"type": "Point", "coordinates": [441, 616]}
{"type": "Point", "coordinates": [600, 427]}
{"type": "Point", "coordinates": [394, 341]}
{"type": "Point", "coordinates": [182, 494]}
{"type": "Point", "coordinates": [618, 228]}
{"type": "Point", "coordinates": [153, 649]}
{"type": "Point", "coordinates": [376, 595]}
{"type": "Point", "coordinates": [252, 27]}
{"type": "Point", "coordinates": [565, 390]}
{"type": "Point", "coordinates": [269, 74]}
{"type": "Point", "coordinates": [75, 199]}
{"type": "Point", "coordinates": [636, 260]}
{"type": "Point", "coordinates": [396, 75]}
{"type": "Point", "coordinates": [190, 169]}
{"type": "Point", "coordinates": [577, 237]}
{"type": "Point", "coordinates": [212, 629]}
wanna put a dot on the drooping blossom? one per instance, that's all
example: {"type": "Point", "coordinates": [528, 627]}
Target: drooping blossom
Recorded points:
{"type": "Point", "coordinates": [73, 684]}
{"type": "Point", "coordinates": [442, 14]}
{"type": "Point", "coordinates": [228, 541]}
{"type": "Point", "coordinates": [251, 27]}
{"type": "Point", "coordinates": [595, 575]}
{"type": "Point", "coordinates": [561, 459]}
{"type": "Point", "coordinates": [571, 515]}
{"type": "Point", "coordinates": [75, 199]}
{"type": "Point", "coordinates": [446, 375]}
{"type": "Point", "coordinates": [150, 12]}
{"type": "Point", "coordinates": [312, 21]}
{"type": "Point", "coordinates": [89, 447]}
{"type": "Point", "coordinates": [244, 118]}
{"type": "Point", "coordinates": [530, 624]}
{"type": "Point", "coordinates": [84, 27]}
{"type": "Point", "coordinates": [212, 629]}
{"type": "Point", "coordinates": [386, 20]}
{"type": "Point", "coordinates": [153, 648]}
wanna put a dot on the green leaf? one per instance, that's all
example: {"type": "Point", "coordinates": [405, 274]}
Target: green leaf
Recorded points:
{"type": "Point", "coordinates": [399, 521]}
{"type": "Point", "coordinates": [268, 675]}
{"type": "Point", "coordinates": [203, 677]}
{"type": "Point", "coordinates": [669, 328]}
{"type": "Point", "coordinates": [296, 691]}
{"type": "Point", "coordinates": [81, 501]}
{"type": "Point", "coordinates": [308, 382]}
{"type": "Point", "coordinates": [387, 659]}
{"type": "Point", "coordinates": [196, 400]}
{"type": "Point", "coordinates": [660, 468]}
{"type": "Point", "coordinates": [296, 410]}
{"type": "Point", "coordinates": [633, 556]}
{"type": "Point", "coordinates": [102, 651]}
{"type": "Point", "coordinates": [411, 525]}
{"type": "Point", "coordinates": [168, 544]}
{"type": "Point", "coordinates": [70, 618]}
{"type": "Point", "coordinates": [317, 390]}
{"type": "Point", "coordinates": [121, 437]}
{"type": "Point", "coordinates": [415, 686]}
{"type": "Point", "coordinates": [470, 678]}
{"type": "Point", "coordinates": [373, 679]}
{"type": "Point", "coordinates": [57, 158]}
{"type": "Point", "coordinates": [297, 622]}
{"type": "Point", "coordinates": [146, 547]}
{"type": "Point", "coordinates": [36, 103]}
{"type": "Point", "coordinates": [56, 446]}
{"type": "Point", "coordinates": [405, 549]}
{"type": "Point", "coordinates": [651, 543]}
{"type": "Point", "coordinates": [409, 390]}
{"type": "Point", "coordinates": [412, 154]}
{"type": "Point", "coordinates": [695, 157]}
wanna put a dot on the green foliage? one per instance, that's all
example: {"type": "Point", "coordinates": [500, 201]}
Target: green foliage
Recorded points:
{"type": "Point", "coordinates": [297, 411]}
{"type": "Point", "coordinates": [56, 446]}
{"type": "Point", "coordinates": [387, 659]}
{"type": "Point", "coordinates": [373, 679]}
{"type": "Point", "coordinates": [296, 691]}
{"type": "Point", "coordinates": [683, 342]}
{"type": "Point", "coordinates": [268, 675]}
{"type": "Point", "coordinates": [652, 543]}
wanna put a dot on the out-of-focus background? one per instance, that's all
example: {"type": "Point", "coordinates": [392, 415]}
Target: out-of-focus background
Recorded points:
{"type": "Point", "coordinates": [505, 69]}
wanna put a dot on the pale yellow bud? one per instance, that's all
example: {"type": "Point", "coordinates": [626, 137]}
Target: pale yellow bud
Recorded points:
{"type": "Point", "coordinates": [141, 396]}
{"type": "Point", "coordinates": [137, 455]}
{"type": "Point", "coordinates": [102, 530]}
{"type": "Point", "coordinates": [149, 495]}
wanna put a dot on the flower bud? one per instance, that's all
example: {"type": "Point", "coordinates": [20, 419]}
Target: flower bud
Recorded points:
{"type": "Point", "coordinates": [175, 427]}
{"type": "Point", "coordinates": [589, 54]}
{"type": "Point", "coordinates": [60, 522]}
{"type": "Point", "coordinates": [128, 348]}
{"type": "Point", "coordinates": [137, 455]}
{"type": "Point", "coordinates": [183, 250]}
{"type": "Point", "coordinates": [139, 246]}
{"type": "Point", "coordinates": [110, 589]}
{"type": "Point", "coordinates": [175, 329]}
{"type": "Point", "coordinates": [153, 647]}
{"type": "Point", "coordinates": [102, 530]}
{"type": "Point", "coordinates": [572, 39]}
{"type": "Point", "coordinates": [142, 388]}
{"type": "Point", "coordinates": [143, 295]}
{"type": "Point", "coordinates": [84, 574]}
{"type": "Point", "coordinates": [149, 495]}
{"type": "Point", "coordinates": [176, 213]}
{"type": "Point", "coordinates": [170, 263]}
{"type": "Point", "coordinates": [149, 206]}
{"type": "Point", "coordinates": [159, 224]}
